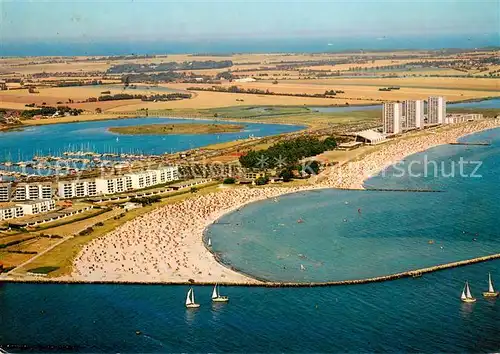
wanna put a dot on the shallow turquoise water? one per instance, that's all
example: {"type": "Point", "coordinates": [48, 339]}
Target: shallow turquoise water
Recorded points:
{"type": "Point", "coordinates": [392, 231]}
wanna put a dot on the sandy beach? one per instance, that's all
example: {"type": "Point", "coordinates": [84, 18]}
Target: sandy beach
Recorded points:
{"type": "Point", "coordinates": [166, 244]}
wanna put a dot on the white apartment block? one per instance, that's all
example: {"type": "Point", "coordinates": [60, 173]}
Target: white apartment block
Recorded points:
{"type": "Point", "coordinates": [77, 188]}
{"type": "Point", "coordinates": [413, 114]}
{"type": "Point", "coordinates": [460, 118]}
{"type": "Point", "coordinates": [117, 184]}
{"type": "Point", "coordinates": [30, 207]}
{"type": "Point", "coordinates": [111, 185]}
{"type": "Point", "coordinates": [32, 191]}
{"type": "Point", "coordinates": [25, 191]}
{"type": "Point", "coordinates": [37, 206]}
{"type": "Point", "coordinates": [392, 117]}
{"type": "Point", "coordinates": [5, 190]}
{"type": "Point", "coordinates": [11, 212]}
{"type": "Point", "coordinates": [150, 178]}
{"type": "Point", "coordinates": [436, 110]}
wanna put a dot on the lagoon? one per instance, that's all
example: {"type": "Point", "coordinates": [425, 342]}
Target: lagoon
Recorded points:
{"type": "Point", "coordinates": [56, 138]}
{"type": "Point", "coordinates": [361, 234]}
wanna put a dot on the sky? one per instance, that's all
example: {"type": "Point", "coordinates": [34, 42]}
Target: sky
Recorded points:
{"type": "Point", "coordinates": [185, 20]}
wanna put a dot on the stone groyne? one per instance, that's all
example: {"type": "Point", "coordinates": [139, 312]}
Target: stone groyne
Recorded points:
{"type": "Point", "coordinates": [262, 282]}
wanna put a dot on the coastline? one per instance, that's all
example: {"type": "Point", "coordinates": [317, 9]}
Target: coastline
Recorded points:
{"type": "Point", "coordinates": [182, 237]}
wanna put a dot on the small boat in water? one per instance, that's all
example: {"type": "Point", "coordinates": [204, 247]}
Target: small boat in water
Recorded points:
{"type": "Point", "coordinates": [466, 294]}
{"type": "Point", "coordinates": [302, 267]}
{"type": "Point", "coordinates": [209, 242]}
{"type": "Point", "coordinates": [216, 297]}
{"type": "Point", "coordinates": [190, 304]}
{"type": "Point", "coordinates": [491, 291]}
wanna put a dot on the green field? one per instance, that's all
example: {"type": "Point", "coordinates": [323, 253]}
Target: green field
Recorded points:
{"type": "Point", "coordinates": [167, 129]}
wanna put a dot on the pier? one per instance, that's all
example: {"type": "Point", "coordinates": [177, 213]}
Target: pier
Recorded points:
{"type": "Point", "coordinates": [471, 144]}
{"type": "Point", "coordinates": [368, 189]}
{"type": "Point", "coordinates": [404, 190]}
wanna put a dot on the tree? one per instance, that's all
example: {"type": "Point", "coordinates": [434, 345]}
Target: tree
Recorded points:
{"type": "Point", "coordinates": [261, 181]}
{"type": "Point", "coordinates": [287, 175]}
{"type": "Point", "coordinates": [330, 143]}
{"type": "Point", "coordinates": [229, 180]}
{"type": "Point", "coordinates": [193, 190]}
{"type": "Point", "coordinates": [311, 167]}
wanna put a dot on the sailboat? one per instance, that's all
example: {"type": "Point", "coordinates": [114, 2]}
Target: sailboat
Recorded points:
{"type": "Point", "coordinates": [216, 297]}
{"type": "Point", "coordinates": [190, 304]}
{"type": "Point", "coordinates": [209, 242]}
{"type": "Point", "coordinates": [491, 291]}
{"type": "Point", "coordinates": [466, 295]}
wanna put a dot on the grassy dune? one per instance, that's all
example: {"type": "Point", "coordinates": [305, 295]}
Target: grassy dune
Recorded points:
{"type": "Point", "coordinates": [166, 129]}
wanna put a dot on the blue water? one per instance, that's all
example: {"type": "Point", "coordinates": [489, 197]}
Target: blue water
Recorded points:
{"type": "Point", "coordinates": [408, 315]}
{"type": "Point", "coordinates": [493, 103]}
{"type": "Point", "coordinates": [55, 139]}
{"type": "Point", "coordinates": [392, 232]}
{"type": "Point", "coordinates": [244, 45]}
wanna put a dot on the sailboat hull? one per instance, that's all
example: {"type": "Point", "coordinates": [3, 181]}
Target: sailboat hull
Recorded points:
{"type": "Point", "coordinates": [192, 306]}
{"type": "Point", "coordinates": [220, 299]}
{"type": "Point", "coordinates": [469, 300]}
{"type": "Point", "coordinates": [491, 294]}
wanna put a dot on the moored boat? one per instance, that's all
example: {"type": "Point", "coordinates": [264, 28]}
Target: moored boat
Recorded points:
{"type": "Point", "coordinates": [466, 294]}
{"type": "Point", "coordinates": [216, 297]}
{"type": "Point", "coordinates": [190, 304]}
{"type": "Point", "coordinates": [491, 291]}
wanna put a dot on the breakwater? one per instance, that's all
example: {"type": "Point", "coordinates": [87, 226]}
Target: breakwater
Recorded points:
{"type": "Point", "coordinates": [470, 144]}
{"type": "Point", "coordinates": [263, 282]}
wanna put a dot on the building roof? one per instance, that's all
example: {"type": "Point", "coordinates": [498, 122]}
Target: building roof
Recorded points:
{"type": "Point", "coordinates": [370, 135]}
{"type": "Point", "coordinates": [31, 202]}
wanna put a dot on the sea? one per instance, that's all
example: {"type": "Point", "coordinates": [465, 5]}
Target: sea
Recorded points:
{"type": "Point", "coordinates": [56, 47]}
{"type": "Point", "coordinates": [392, 231]}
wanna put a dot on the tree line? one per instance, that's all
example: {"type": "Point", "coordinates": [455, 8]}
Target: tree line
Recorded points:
{"type": "Point", "coordinates": [170, 66]}
{"type": "Point", "coordinates": [254, 91]}
{"type": "Point", "coordinates": [287, 153]}
{"type": "Point", "coordinates": [49, 111]}
{"type": "Point", "coordinates": [158, 97]}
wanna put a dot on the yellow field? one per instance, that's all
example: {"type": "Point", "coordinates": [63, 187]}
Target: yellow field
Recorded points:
{"type": "Point", "coordinates": [427, 82]}
{"type": "Point", "coordinates": [357, 90]}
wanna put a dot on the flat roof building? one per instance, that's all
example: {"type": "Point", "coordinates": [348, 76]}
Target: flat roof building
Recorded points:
{"type": "Point", "coordinates": [391, 117]}
{"type": "Point", "coordinates": [413, 114]}
{"type": "Point", "coordinates": [117, 184]}
{"type": "Point", "coordinates": [436, 110]}
{"type": "Point", "coordinates": [32, 207]}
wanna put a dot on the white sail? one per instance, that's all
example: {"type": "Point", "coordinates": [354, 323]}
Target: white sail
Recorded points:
{"type": "Point", "coordinates": [490, 284]}
{"type": "Point", "coordinates": [215, 293]}
{"type": "Point", "coordinates": [302, 267]}
{"type": "Point", "coordinates": [463, 297]}
{"type": "Point", "coordinates": [210, 242]}
{"type": "Point", "coordinates": [469, 295]}
{"type": "Point", "coordinates": [188, 297]}
{"type": "Point", "coordinates": [192, 296]}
